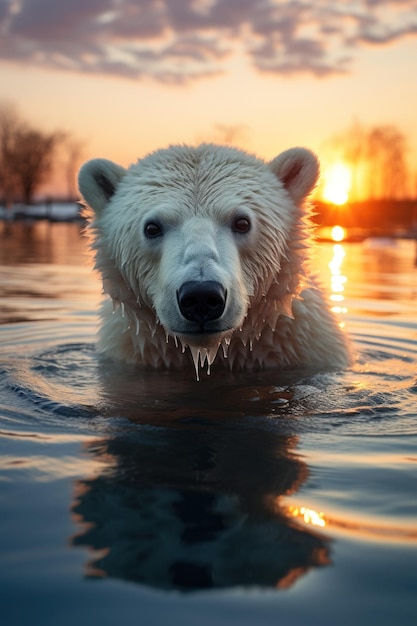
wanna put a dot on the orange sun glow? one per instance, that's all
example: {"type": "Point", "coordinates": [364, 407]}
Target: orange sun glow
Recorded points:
{"type": "Point", "coordinates": [337, 182]}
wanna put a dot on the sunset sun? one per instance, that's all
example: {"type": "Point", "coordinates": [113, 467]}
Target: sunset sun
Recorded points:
{"type": "Point", "coordinates": [337, 183]}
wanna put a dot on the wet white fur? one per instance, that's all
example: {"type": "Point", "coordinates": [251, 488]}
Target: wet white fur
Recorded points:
{"type": "Point", "coordinates": [275, 316]}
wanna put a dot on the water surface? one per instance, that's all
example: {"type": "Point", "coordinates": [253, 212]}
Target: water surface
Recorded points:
{"type": "Point", "coordinates": [131, 497]}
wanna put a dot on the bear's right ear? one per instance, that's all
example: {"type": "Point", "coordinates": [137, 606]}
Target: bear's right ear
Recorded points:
{"type": "Point", "coordinates": [298, 170]}
{"type": "Point", "coordinates": [97, 182]}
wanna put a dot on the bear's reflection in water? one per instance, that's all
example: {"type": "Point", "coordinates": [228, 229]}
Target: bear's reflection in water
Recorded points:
{"type": "Point", "coordinates": [190, 492]}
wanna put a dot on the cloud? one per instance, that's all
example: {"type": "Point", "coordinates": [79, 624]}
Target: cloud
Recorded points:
{"type": "Point", "coordinates": [181, 40]}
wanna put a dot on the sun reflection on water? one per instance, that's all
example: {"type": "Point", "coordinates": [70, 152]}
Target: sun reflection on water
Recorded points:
{"type": "Point", "coordinates": [338, 233]}
{"type": "Point", "coordinates": [338, 279]}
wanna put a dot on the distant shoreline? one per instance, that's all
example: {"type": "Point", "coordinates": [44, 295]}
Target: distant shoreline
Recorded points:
{"type": "Point", "coordinates": [69, 211]}
{"type": "Point", "coordinates": [72, 211]}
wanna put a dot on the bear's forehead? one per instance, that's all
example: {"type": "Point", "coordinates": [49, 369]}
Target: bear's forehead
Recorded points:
{"type": "Point", "coordinates": [207, 173]}
{"type": "Point", "coordinates": [202, 163]}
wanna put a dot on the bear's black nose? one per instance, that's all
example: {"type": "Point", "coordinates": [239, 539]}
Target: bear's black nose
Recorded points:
{"type": "Point", "coordinates": [201, 301]}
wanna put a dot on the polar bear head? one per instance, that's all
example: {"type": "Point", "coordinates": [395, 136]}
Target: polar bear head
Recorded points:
{"type": "Point", "coordinates": [196, 235]}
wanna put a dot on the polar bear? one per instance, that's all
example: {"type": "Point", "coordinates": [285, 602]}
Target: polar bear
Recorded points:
{"type": "Point", "coordinates": [203, 250]}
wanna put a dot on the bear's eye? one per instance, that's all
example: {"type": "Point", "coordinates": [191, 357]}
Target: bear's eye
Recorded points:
{"type": "Point", "coordinates": [152, 229]}
{"type": "Point", "coordinates": [241, 225]}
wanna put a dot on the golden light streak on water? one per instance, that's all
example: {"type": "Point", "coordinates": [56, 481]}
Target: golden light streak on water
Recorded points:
{"type": "Point", "coordinates": [366, 528]}
{"type": "Point", "coordinates": [308, 516]}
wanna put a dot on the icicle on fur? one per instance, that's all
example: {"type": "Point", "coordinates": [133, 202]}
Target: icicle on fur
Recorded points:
{"type": "Point", "coordinates": [201, 355]}
{"type": "Point", "coordinates": [195, 353]}
{"type": "Point", "coordinates": [211, 354]}
{"type": "Point", "coordinates": [225, 347]}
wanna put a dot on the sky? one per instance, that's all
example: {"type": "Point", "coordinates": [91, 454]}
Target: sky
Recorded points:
{"type": "Point", "coordinates": [126, 77]}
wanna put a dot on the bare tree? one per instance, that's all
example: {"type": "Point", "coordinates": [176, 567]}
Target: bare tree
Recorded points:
{"type": "Point", "coordinates": [227, 134]}
{"type": "Point", "coordinates": [26, 155]}
{"type": "Point", "coordinates": [230, 134]}
{"type": "Point", "coordinates": [73, 149]}
{"type": "Point", "coordinates": [377, 158]}
{"type": "Point", "coordinates": [387, 149]}
{"type": "Point", "coordinates": [10, 126]}
{"type": "Point", "coordinates": [33, 160]}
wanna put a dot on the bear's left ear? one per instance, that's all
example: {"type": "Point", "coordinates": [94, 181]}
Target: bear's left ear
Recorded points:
{"type": "Point", "coordinates": [298, 170]}
{"type": "Point", "coordinates": [97, 182]}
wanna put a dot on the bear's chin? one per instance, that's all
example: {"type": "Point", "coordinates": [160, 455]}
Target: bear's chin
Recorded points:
{"type": "Point", "coordinates": [206, 340]}
{"type": "Point", "coordinates": [204, 347]}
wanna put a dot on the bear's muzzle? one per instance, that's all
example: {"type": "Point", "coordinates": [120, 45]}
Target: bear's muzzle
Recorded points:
{"type": "Point", "coordinates": [201, 301]}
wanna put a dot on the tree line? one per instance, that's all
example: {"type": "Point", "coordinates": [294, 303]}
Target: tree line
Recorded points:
{"type": "Point", "coordinates": [377, 157]}
{"type": "Point", "coordinates": [28, 155]}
